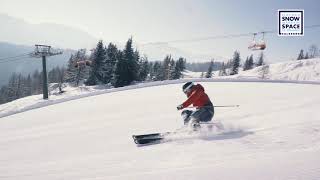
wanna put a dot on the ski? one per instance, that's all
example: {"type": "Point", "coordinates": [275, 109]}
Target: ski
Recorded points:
{"type": "Point", "coordinates": [155, 138]}
{"type": "Point", "coordinates": [147, 135]}
{"type": "Point", "coordinates": [145, 141]}
{"type": "Point", "coordinates": [149, 138]}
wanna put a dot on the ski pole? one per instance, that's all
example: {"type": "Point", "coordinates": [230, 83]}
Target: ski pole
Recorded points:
{"type": "Point", "coordinates": [228, 106]}
{"type": "Point", "coordinates": [217, 106]}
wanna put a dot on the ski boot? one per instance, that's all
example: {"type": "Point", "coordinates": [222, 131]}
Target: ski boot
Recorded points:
{"type": "Point", "coordinates": [195, 125]}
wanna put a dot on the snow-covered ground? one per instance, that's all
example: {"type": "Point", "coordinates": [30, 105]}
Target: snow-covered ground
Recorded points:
{"type": "Point", "coordinates": [274, 134]}
{"type": "Point", "coordinates": [85, 133]}
{"type": "Point", "coordinates": [302, 70]}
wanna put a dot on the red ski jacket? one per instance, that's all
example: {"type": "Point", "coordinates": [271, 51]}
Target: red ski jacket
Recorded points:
{"type": "Point", "coordinates": [197, 97]}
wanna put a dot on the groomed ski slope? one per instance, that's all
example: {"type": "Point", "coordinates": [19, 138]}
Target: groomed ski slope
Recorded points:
{"type": "Point", "coordinates": [275, 134]}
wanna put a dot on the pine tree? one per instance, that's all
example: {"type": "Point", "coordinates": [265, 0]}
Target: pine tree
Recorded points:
{"type": "Point", "coordinates": [28, 86]}
{"type": "Point", "coordinates": [301, 56]}
{"type": "Point", "coordinates": [235, 63]}
{"type": "Point", "coordinates": [77, 70]}
{"type": "Point", "coordinates": [61, 74]}
{"type": "Point", "coordinates": [313, 51]}
{"type": "Point", "coordinates": [112, 58]}
{"type": "Point", "coordinates": [52, 75]}
{"type": "Point", "coordinates": [13, 87]}
{"type": "Point", "coordinates": [166, 67]}
{"type": "Point", "coordinates": [136, 58]}
{"type": "Point", "coordinates": [172, 70]}
{"type": "Point", "coordinates": [246, 64]}
{"type": "Point", "coordinates": [127, 67]}
{"type": "Point", "coordinates": [182, 64]}
{"type": "Point", "coordinates": [70, 76]}
{"type": "Point", "coordinates": [158, 72]}
{"type": "Point", "coordinates": [20, 86]}
{"type": "Point", "coordinates": [57, 75]}
{"type": "Point", "coordinates": [179, 68]}
{"type": "Point", "coordinates": [150, 70]}
{"type": "Point", "coordinates": [122, 77]}
{"type": "Point", "coordinates": [3, 94]}
{"type": "Point", "coordinates": [143, 68]}
{"type": "Point", "coordinates": [37, 81]}
{"type": "Point", "coordinates": [152, 73]}
{"type": "Point", "coordinates": [261, 60]}
{"type": "Point", "coordinates": [162, 70]}
{"type": "Point", "coordinates": [132, 59]}
{"type": "Point", "coordinates": [24, 87]}
{"type": "Point", "coordinates": [250, 62]}
{"type": "Point", "coordinates": [16, 88]}
{"type": "Point", "coordinates": [98, 69]}
{"type": "Point", "coordinates": [210, 69]}
{"type": "Point", "coordinates": [222, 71]}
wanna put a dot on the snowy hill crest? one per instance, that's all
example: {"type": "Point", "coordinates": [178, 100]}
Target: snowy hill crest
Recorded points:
{"type": "Point", "coordinates": [301, 70]}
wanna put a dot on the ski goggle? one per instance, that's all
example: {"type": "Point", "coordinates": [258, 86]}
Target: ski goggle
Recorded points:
{"type": "Point", "coordinates": [187, 91]}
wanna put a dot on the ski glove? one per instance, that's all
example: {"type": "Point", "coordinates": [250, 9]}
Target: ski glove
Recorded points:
{"type": "Point", "coordinates": [180, 107]}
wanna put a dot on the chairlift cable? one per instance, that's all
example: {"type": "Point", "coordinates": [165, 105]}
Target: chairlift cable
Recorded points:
{"type": "Point", "coordinates": [13, 60]}
{"type": "Point", "coordinates": [13, 57]}
{"type": "Point", "coordinates": [223, 36]}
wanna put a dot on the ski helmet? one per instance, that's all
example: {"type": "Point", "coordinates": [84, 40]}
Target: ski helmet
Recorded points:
{"type": "Point", "coordinates": [187, 87]}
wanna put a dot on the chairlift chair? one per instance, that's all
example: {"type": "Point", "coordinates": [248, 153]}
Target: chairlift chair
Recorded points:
{"type": "Point", "coordinates": [82, 63]}
{"type": "Point", "coordinates": [261, 45]}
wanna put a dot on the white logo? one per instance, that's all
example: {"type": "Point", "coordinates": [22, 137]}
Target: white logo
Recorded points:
{"type": "Point", "coordinates": [291, 22]}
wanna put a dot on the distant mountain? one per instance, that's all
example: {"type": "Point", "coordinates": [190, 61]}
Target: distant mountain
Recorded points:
{"type": "Point", "coordinates": [18, 31]}
{"type": "Point", "coordinates": [14, 30]}
{"type": "Point", "coordinates": [25, 64]}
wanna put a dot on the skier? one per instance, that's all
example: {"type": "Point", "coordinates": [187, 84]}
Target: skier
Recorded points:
{"type": "Point", "coordinates": [203, 113]}
{"type": "Point", "coordinates": [204, 108]}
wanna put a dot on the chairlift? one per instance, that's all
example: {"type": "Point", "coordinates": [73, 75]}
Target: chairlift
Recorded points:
{"type": "Point", "coordinates": [82, 63]}
{"type": "Point", "coordinates": [261, 45]}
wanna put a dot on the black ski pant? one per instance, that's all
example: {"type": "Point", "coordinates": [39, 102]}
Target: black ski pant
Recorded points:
{"type": "Point", "coordinates": [203, 114]}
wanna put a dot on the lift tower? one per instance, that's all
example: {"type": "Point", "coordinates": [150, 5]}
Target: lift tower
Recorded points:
{"type": "Point", "coordinates": [42, 51]}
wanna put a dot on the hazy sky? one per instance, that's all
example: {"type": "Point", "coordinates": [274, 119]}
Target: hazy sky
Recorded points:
{"type": "Point", "coordinates": [162, 20]}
